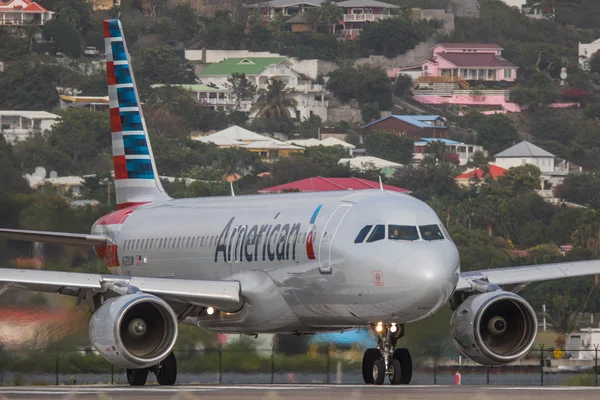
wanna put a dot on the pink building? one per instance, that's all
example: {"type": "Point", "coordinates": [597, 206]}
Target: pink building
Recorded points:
{"type": "Point", "coordinates": [469, 61]}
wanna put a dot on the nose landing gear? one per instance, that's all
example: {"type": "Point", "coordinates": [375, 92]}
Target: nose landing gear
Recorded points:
{"type": "Point", "coordinates": [384, 360]}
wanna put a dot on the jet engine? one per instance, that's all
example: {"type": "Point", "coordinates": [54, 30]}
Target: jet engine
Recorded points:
{"type": "Point", "coordinates": [134, 330]}
{"type": "Point", "coordinates": [494, 328]}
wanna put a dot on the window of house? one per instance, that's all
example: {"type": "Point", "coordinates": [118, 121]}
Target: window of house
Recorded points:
{"type": "Point", "coordinates": [377, 234]}
{"type": "Point", "coordinates": [357, 11]}
{"type": "Point", "coordinates": [507, 73]}
{"type": "Point", "coordinates": [362, 234]}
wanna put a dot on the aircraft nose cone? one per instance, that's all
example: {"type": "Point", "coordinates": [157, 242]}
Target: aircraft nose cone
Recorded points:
{"type": "Point", "coordinates": [435, 269]}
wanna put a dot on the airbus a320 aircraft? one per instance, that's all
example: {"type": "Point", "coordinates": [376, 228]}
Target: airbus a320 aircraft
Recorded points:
{"type": "Point", "coordinates": [286, 263]}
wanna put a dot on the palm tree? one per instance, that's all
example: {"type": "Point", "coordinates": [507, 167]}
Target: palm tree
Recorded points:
{"type": "Point", "coordinates": [272, 102]}
{"type": "Point", "coordinates": [331, 14]}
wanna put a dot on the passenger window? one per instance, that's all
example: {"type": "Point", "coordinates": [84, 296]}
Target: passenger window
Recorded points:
{"type": "Point", "coordinates": [431, 232]}
{"type": "Point", "coordinates": [377, 234]}
{"type": "Point", "coordinates": [362, 234]}
{"type": "Point", "coordinates": [402, 232]}
{"type": "Point", "coordinates": [211, 240]}
{"type": "Point", "coordinates": [202, 241]}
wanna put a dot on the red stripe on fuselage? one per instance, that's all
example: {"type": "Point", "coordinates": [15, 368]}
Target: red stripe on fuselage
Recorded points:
{"type": "Point", "coordinates": [132, 205]}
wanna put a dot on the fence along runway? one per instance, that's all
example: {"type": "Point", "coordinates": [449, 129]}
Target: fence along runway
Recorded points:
{"type": "Point", "coordinates": [296, 392]}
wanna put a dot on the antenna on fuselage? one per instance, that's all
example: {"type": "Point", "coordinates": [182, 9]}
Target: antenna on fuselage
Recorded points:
{"type": "Point", "coordinates": [380, 184]}
{"type": "Point", "coordinates": [231, 186]}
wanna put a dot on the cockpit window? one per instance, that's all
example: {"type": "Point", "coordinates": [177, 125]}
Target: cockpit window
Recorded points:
{"type": "Point", "coordinates": [377, 234]}
{"type": "Point", "coordinates": [402, 232]}
{"type": "Point", "coordinates": [362, 234]}
{"type": "Point", "coordinates": [431, 232]}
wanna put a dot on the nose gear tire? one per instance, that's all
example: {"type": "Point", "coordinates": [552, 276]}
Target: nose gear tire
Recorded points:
{"type": "Point", "coordinates": [378, 372]}
{"type": "Point", "coordinates": [369, 358]}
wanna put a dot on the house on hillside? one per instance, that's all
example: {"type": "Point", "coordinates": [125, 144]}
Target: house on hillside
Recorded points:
{"type": "Point", "coordinates": [267, 148]}
{"type": "Point", "coordinates": [586, 51]}
{"type": "Point", "coordinates": [554, 170]}
{"type": "Point", "coordinates": [310, 97]}
{"type": "Point", "coordinates": [414, 126]}
{"type": "Point", "coordinates": [20, 125]}
{"type": "Point", "coordinates": [23, 12]}
{"type": "Point", "coordinates": [473, 174]}
{"type": "Point", "coordinates": [215, 97]}
{"type": "Point", "coordinates": [105, 4]}
{"type": "Point", "coordinates": [463, 151]}
{"type": "Point", "coordinates": [321, 184]}
{"type": "Point", "coordinates": [470, 62]}
{"type": "Point", "coordinates": [92, 102]}
{"type": "Point", "coordinates": [355, 13]}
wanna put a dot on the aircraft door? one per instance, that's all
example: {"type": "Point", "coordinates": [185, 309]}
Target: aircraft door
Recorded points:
{"type": "Point", "coordinates": [331, 228]}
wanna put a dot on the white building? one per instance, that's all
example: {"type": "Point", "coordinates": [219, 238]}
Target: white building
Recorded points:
{"type": "Point", "coordinates": [310, 97]}
{"type": "Point", "coordinates": [368, 162]}
{"type": "Point", "coordinates": [515, 3]}
{"type": "Point", "coordinates": [330, 141]}
{"type": "Point", "coordinates": [586, 51]}
{"type": "Point", "coordinates": [525, 153]}
{"type": "Point", "coordinates": [23, 12]}
{"type": "Point", "coordinates": [20, 125]}
{"type": "Point", "coordinates": [463, 151]}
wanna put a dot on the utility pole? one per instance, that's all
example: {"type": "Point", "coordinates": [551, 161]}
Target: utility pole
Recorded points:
{"type": "Point", "coordinates": [544, 310]}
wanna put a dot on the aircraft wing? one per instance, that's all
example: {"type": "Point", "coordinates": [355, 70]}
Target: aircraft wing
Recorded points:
{"type": "Point", "coordinates": [76, 239]}
{"type": "Point", "coordinates": [521, 276]}
{"type": "Point", "coordinates": [222, 295]}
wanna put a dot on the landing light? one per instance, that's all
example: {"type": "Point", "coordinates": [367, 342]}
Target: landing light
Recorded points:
{"type": "Point", "coordinates": [379, 327]}
{"type": "Point", "coordinates": [210, 311]}
{"type": "Point", "coordinates": [393, 328]}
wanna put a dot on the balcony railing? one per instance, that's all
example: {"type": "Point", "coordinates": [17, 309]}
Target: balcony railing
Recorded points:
{"type": "Point", "coordinates": [349, 32]}
{"type": "Point", "coordinates": [365, 17]}
{"type": "Point", "coordinates": [309, 88]}
{"type": "Point", "coordinates": [20, 22]}
{"type": "Point", "coordinates": [314, 103]}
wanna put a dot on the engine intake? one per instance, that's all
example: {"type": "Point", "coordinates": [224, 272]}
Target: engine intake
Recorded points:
{"type": "Point", "coordinates": [134, 330]}
{"type": "Point", "coordinates": [494, 328]}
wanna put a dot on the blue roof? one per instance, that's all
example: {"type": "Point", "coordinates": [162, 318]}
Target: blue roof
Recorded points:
{"type": "Point", "coordinates": [417, 120]}
{"type": "Point", "coordinates": [426, 141]}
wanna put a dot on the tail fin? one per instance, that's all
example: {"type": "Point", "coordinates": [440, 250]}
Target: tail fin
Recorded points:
{"type": "Point", "coordinates": [136, 177]}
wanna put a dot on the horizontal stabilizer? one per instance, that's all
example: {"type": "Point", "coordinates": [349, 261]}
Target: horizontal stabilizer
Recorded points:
{"type": "Point", "coordinates": [74, 239]}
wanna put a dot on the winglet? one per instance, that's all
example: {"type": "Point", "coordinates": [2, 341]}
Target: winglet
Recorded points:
{"type": "Point", "coordinates": [231, 186]}
{"type": "Point", "coordinates": [380, 183]}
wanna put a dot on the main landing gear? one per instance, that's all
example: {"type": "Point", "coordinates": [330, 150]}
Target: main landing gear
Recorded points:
{"type": "Point", "coordinates": [165, 371]}
{"type": "Point", "coordinates": [384, 360]}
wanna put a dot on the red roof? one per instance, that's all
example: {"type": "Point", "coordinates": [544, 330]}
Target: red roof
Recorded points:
{"type": "Point", "coordinates": [487, 46]}
{"type": "Point", "coordinates": [476, 60]}
{"type": "Point", "coordinates": [30, 6]}
{"type": "Point", "coordinates": [495, 172]}
{"type": "Point", "coordinates": [320, 184]}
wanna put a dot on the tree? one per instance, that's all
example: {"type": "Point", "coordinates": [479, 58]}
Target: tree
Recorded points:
{"type": "Point", "coordinates": [496, 132]}
{"type": "Point", "coordinates": [272, 102]}
{"type": "Point", "coordinates": [65, 37]}
{"type": "Point", "coordinates": [437, 148]}
{"type": "Point", "coordinates": [162, 65]}
{"type": "Point", "coordinates": [328, 14]}
{"type": "Point", "coordinates": [240, 88]}
{"type": "Point", "coordinates": [402, 85]}
{"type": "Point", "coordinates": [82, 135]}
{"type": "Point", "coordinates": [390, 146]}
{"type": "Point", "coordinates": [594, 63]}
{"type": "Point", "coordinates": [367, 83]}
{"type": "Point", "coordinates": [370, 112]}
{"type": "Point", "coordinates": [522, 178]}
{"type": "Point", "coordinates": [393, 36]}
{"type": "Point", "coordinates": [28, 86]}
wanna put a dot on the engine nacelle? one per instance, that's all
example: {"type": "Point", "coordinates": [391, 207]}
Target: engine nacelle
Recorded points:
{"type": "Point", "coordinates": [494, 328]}
{"type": "Point", "coordinates": [134, 330]}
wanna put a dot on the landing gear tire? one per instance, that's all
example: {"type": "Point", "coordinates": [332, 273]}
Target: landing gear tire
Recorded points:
{"type": "Point", "coordinates": [395, 375]}
{"type": "Point", "coordinates": [369, 358]}
{"type": "Point", "coordinates": [137, 377]}
{"type": "Point", "coordinates": [378, 372]}
{"type": "Point", "coordinates": [405, 360]}
{"type": "Point", "coordinates": [166, 371]}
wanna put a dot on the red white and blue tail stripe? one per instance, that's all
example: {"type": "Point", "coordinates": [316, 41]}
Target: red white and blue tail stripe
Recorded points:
{"type": "Point", "coordinates": [136, 178]}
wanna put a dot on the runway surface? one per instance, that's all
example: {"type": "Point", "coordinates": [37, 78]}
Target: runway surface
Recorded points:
{"type": "Point", "coordinates": [275, 392]}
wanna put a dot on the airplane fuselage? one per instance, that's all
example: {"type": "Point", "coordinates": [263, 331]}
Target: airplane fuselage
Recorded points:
{"type": "Point", "coordinates": [305, 244]}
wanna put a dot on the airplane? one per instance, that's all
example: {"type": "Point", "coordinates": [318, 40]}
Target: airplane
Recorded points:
{"type": "Point", "coordinates": [295, 263]}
